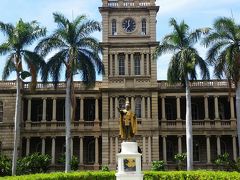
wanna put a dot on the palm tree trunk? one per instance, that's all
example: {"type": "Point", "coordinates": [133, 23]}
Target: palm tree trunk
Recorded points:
{"type": "Point", "coordinates": [68, 125]}
{"type": "Point", "coordinates": [18, 107]}
{"type": "Point", "coordinates": [238, 113]}
{"type": "Point", "coordinates": [189, 140]}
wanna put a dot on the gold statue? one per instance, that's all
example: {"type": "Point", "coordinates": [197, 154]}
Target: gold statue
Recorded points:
{"type": "Point", "coordinates": [128, 122]}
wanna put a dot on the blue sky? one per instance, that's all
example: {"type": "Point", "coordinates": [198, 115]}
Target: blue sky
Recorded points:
{"type": "Point", "coordinates": [196, 13]}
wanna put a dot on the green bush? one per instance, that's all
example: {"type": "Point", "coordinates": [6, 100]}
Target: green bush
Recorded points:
{"type": "Point", "coordinates": [158, 166]}
{"type": "Point", "coordinates": [104, 168]}
{"type": "Point", "coordinates": [223, 162]}
{"type": "Point", "coordinates": [180, 158]}
{"type": "Point", "coordinates": [74, 162]}
{"type": "Point", "coordinates": [148, 175]}
{"type": "Point", "coordinates": [5, 166]}
{"type": "Point", "coordinates": [34, 163]}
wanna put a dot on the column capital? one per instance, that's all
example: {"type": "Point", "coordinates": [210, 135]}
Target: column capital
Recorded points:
{"type": "Point", "coordinates": [180, 136]}
{"type": "Point", "coordinates": [53, 137]}
{"type": "Point", "coordinates": [164, 136]}
{"type": "Point", "coordinates": [216, 96]}
{"type": "Point", "coordinates": [53, 98]}
{"type": "Point", "coordinates": [44, 98]}
{"type": "Point", "coordinates": [163, 96]}
{"type": "Point", "coordinates": [234, 136]}
{"type": "Point", "coordinates": [178, 96]}
{"type": "Point", "coordinates": [27, 137]}
{"type": "Point", "coordinates": [206, 96]}
{"type": "Point", "coordinates": [218, 136]}
{"type": "Point", "coordinates": [208, 136]}
{"type": "Point", "coordinates": [96, 137]}
{"type": "Point", "coordinates": [43, 137]}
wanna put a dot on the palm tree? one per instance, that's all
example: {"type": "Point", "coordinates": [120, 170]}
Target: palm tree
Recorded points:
{"type": "Point", "coordinates": [182, 67]}
{"type": "Point", "coordinates": [17, 39]}
{"type": "Point", "coordinates": [224, 55]}
{"type": "Point", "coordinates": [75, 51]}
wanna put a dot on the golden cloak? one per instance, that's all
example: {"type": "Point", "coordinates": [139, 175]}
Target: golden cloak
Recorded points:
{"type": "Point", "coordinates": [131, 117]}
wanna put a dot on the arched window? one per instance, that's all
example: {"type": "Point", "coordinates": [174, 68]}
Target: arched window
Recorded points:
{"type": "Point", "coordinates": [121, 103]}
{"type": "Point", "coordinates": [169, 111]}
{"type": "Point", "coordinates": [144, 27]}
{"type": "Point", "coordinates": [137, 59]}
{"type": "Point", "coordinates": [1, 111]}
{"type": "Point", "coordinates": [114, 27]}
{"type": "Point", "coordinates": [138, 107]}
{"type": "Point", "coordinates": [196, 151]}
{"type": "Point", "coordinates": [121, 60]}
{"type": "Point", "coordinates": [195, 111]}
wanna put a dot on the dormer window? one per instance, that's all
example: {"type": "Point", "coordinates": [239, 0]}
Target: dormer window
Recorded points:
{"type": "Point", "coordinates": [144, 27]}
{"type": "Point", "coordinates": [114, 27]}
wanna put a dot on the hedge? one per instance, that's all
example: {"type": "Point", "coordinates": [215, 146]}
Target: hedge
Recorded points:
{"type": "Point", "coordinates": [148, 175]}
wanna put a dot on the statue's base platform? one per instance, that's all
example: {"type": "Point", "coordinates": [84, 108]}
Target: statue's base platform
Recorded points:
{"type": "Point", "coordinates": [129, 162]}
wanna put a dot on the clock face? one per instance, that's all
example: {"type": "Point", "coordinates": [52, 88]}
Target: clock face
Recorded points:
{"type": "Point", "coordinates": [128, 25]}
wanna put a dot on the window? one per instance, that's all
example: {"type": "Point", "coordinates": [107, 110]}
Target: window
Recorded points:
{"type": "Point", "coordinates": [121, 103]}
{"type": "Point", "coordinates": [91, 152]}
{"type": "Point", "coordinates": [196, 152]}
{"type": "Point", "coordinates": [114, 27]}
{"type": "Point", "coordinates": [144, 27]}
{"type": "Point", "coordinates": [169, 111]}
{"type": "Point", "coordinates": [1, 111]}
{"type": "Point", "coordinates": [138, 107]}
{"type": "Point", "coordinates": [137, 59]}
{"type": "Point", "coordinates": [170, 151]}
{"type": "Point", "coordinates": [195, 112]}
{"type": "Point", "coordinates": [121, 58]}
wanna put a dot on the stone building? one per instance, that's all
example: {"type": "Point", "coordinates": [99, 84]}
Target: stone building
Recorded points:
{"type": "Point", "coordinates": [129, 39]}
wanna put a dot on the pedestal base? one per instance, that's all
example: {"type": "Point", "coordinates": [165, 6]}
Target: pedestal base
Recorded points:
{"type": "Point", "coordinates": [129, 162]}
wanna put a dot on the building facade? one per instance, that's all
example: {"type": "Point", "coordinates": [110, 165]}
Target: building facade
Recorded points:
{"type": "Point", "coordinates": [128, 40]}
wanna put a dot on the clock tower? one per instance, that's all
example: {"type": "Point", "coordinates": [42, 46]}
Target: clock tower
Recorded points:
{"type": "Point", "coordinates": [128, 42]}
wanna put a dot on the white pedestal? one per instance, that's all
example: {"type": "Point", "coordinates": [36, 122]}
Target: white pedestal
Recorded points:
{"type": "Point", "coordinates": [129, 162]}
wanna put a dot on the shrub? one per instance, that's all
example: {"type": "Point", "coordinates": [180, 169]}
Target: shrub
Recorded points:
{"type": "Point", "coordinates": [104, 168]}
{"type": "Point", "coordinates": [223, 162]}
{"type": "Point", "coordinates": [5, 165]}
{"type": "Point", "coordinates": [74, 162]}
{"type": "Point", "coordinates": [180, 158]}
{"type": "Point", "coordinates": [158, 166]}
{"type": "Point", "coordinates": [34, 163]}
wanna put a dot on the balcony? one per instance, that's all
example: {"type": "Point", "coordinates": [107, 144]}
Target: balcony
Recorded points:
{"type": "Point", "coordinates": [128, 3]}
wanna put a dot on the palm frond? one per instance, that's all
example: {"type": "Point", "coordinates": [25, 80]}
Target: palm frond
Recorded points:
{"type": "Point", "coordinates": [7, 29]}
{"type": "Point", "coordinates": [9, 67]}
{"type": "Point", "coordinates": [5, 48]}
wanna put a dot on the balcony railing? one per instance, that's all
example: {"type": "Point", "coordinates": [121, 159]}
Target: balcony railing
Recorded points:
{"type": "Point", "coordinates": [130, 3]}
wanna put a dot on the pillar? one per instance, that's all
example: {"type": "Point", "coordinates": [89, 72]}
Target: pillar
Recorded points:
{"type": "Point", "coordinates": [126, 65]}
{"type": "Point", "coordinates": [111, 108]}
{"type": "Point", "coordinates": [111, 150]}
{"type": "Point", "coordinates": [43, 145]}
{"type": "Point", "coordinates": [116, 108]}
{"type": "Point", "coordinates": [216, 107]}
{"type": "Point", "coordinates": [208, 150]}
{"type": "Point", "coordinates": [180, 144]}
{"type": "Point", "coordinates": [164, 149]}
{"type": "Point", "coordinates": [178, 108]}
{"type": "Point", "coordinates": [96, 110]}
{"type": "Point", "coordinates": [53, 149]}
{"type": "Point", "coordinates": [232, 107]}
{"type": "Point", "coordinates": [144, 149]}
{"type": "Point", "coordinates": [218, 145]}
{"type": "Point", "coordinates": [44, 109]}
{"type": "Point", "coordinates": [27, 146]}
{"type": "Point", "coordinates": [81, 150]}
{"type": "Point", "coordinates": [71, 147]}
{"type": "Point", "coordinates": [81, 109]}
{"type": "Point", "coordinates": [116, 147]}
{"type": "Point", "coordinates": [132, 104]}
{"type": "Point", "coordinates": [54, 109]}
{"type": "Point", "coordinates": [132, 65]}
{"type": "Point", "coordinates": [111, 64]}
{"type": "Point", "coordinates": [142, 65]}
{"type": "Point", "coordinates": [149, 149]}
{"type": "Point", "coordinates": [96, 151]}
{"type": "Point", "coordinates": [143, 108]}
{"type": "Point", "coordinates": [147, 63]}
{"type": "Point", "coordinates": [206, 107]}
{"type": "Point", "coordinates": [116, 65]}
{"type": "Point", "coordinates": [29, 110]}
{"type": "Point", "coordinates": [163, 108]}
{"type": "Point", "coordinates": [234, 148]}
{"type": "Point", "coordinates": [148, 108]}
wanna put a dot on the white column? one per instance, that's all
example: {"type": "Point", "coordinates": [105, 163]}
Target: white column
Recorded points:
{"type": "Point", "coordinates": [29, 110]}
{"type": "Point", "coordinates": [96, 151]}
{"type": "Point", "coordinates": [111, 64]}
{"type": "Point", "coordinates": [132, 65]}
{"type": "Point", "coordinates": [163, 108]}
{"type": "Point", "coordinates": [206, 107]}
{"type": "Point", "coordinates": [216, 107]}
{"type": "Point", "coordinates": [116, 147]}
{"type": "Point", "coordinates": [44, 109]}
{"type": "Point", "coordinates": [178, 108]}
{"type": "Point", "coordinates": [111, 108]}
{"type": "Point", "coordinates": [147, 63]}
{"type": "Point", "coordinates": [53, 150]}
{"type": "Point", "coordinates": [149, 150]}
{"type": "Point", "coordinates": [96, 110]}
{"type": "Point", "coordinates": [142, 65]}
{"type": "Point", "coordinates": [116, 107]}
{"type": "Point", "coordinates": [132, 104]}
{"type": "Point", "coordinates": [81, 149]}
{"type": "Point", "coordinates": [54, 109]}
{"type": "Point", "coordinates": [208, 150]}
{"type": "Point", "coordinates": [218, 145]}
{"type": "Point", "coordinates": [144, 149]}
{"type": "Point", "coordinates": [180, 144]}
{"type": "Point", "coordinates": [43, 145]}
{"type": "Point", "coordinates": [81, 108]}
{"type": "Point", "coordinates": [232, 107]}
{"type": "Point", "coordinates": [148, 108]}
{"type": "Point", "coordinates": [27, 146]}
{"type": "Point", "coordinates": [71, 147]}
{"type": "Point", "coordinates": [126, 65]}
{"type": "Point", "coordinates": [234, 148]}
{"type": "Point", "coordinates": [143, 107]}
{"type": "Point", "coordinates": [111, 150]}
{"type": "Point", "coordinates": [164, 149]}
{"type": "Point", "coordinates": [116, 65]}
